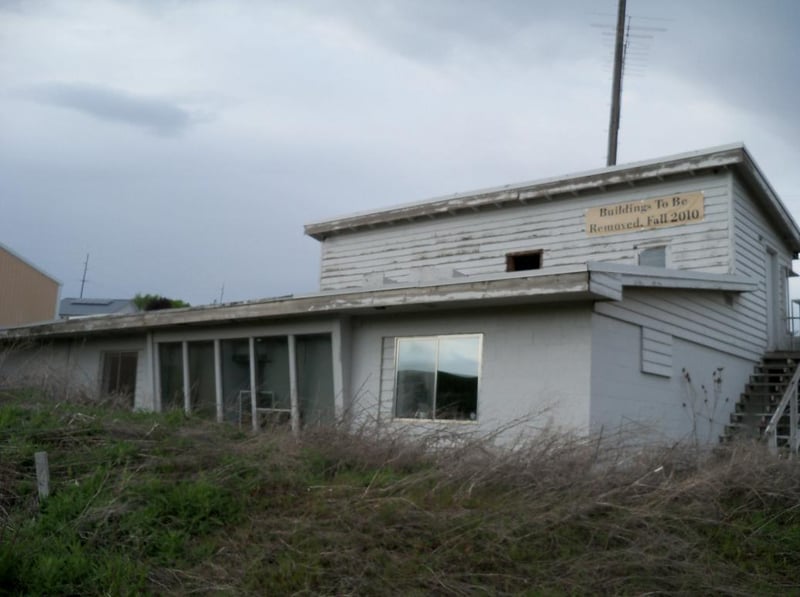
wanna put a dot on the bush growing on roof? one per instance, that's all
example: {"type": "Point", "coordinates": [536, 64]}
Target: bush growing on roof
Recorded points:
{"type": "Point", "coordinates": [156, 302]}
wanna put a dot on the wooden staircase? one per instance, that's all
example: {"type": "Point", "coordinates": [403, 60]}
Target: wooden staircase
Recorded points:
{"type": "Point", "coordinates": [756, 412]}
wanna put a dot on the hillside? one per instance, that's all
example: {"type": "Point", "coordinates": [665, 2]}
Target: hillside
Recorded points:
{"type": "Point", "coordinates": [147, 503]}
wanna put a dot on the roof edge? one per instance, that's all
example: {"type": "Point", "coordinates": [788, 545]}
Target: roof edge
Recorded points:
{"type": "Point", "coordinates": [29, 263]}
{"type": "Point", "coordinates": [723, 155]}
{"type": "Point", "coordinates": [539, 287]}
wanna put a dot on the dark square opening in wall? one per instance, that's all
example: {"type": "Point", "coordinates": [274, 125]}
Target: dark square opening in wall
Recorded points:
{"type": "Point", "coordinates": [526, 260]}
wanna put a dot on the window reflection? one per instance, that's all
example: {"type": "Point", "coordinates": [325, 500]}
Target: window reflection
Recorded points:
{"type": "Point", "coordinates": [437, 378]}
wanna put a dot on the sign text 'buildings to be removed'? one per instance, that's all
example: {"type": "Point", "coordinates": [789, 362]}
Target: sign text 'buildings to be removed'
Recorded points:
{"type": "Point", "coordinates": [659, 212]}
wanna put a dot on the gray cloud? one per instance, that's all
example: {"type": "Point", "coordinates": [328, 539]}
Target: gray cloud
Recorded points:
{"type": "Point", "coordinates": [434, 29]}
{"type": "Point", "coordinates": [332, 107]}
{"type": "Point", "coordinates": [156, 115]}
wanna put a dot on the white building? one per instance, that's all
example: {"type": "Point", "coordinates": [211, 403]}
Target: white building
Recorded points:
{"type": "Point", "coordinates": [642, 293]}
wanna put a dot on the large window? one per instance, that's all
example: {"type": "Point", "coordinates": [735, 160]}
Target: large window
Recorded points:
{"type": "Point", "coordinates": [315, 378]}
{"type": "Point", "coordinates": [271, 373]}
{"type": "Point", "coordinates": [201, 378]}
{"type": "Point", "coordinates": [119, 373]}
{"type": "Point", "coordinates": [170, 356]}
{"type": "Point", "coordinates": [437, 377]}
{"type": "Point", "coordinates": [235, 379]}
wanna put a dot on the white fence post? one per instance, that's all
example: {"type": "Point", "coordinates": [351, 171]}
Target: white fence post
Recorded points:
{"type": "Point", "coordinates": [42, 474]}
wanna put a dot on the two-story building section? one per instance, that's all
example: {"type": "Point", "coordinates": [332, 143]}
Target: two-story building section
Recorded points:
{"type": "Point", "coordinates": [640, 294]}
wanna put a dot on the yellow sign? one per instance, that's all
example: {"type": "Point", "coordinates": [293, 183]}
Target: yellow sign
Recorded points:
{"type": "Point", "coordinates": [659, 212]}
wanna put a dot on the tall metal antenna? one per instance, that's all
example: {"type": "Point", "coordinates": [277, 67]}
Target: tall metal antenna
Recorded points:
{"type": "Point", "coordinates": [616, 89]}
{"type": "Point", "coordinates": [85, 268]}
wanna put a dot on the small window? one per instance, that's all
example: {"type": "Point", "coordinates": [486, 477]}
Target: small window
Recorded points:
{"type": "Point", "coordinates": [653, 257]}
{"type": "Point", "coordinates": [437, 377]}
{"type": "Point", "coordinates": [119, 373]}
{"type": "Point", "coordinates": [527, 260]}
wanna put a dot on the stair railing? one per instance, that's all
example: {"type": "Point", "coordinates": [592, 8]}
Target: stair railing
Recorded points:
{"type": "Point", "coordinates": [789, 400]}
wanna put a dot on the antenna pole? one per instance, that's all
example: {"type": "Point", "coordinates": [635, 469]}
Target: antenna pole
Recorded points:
{"type": "Point", "coordinates": [616, 91]}
{"type": "Point", "coordinates": [85, 268]}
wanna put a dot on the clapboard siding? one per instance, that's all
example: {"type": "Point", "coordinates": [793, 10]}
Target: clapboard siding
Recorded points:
{"type": "Point", "coordinates": [754, 235]}
{"type": "Point", "coordinates": [477, 243]}
{"type": "Point", "coordinates": [656, 352]}
{"type": "Point", "coordinates": [737, 325]}
{"type": "Point", "coordinates": [686, 314]}
{"type": "Point", "coordinates": [386, 390]}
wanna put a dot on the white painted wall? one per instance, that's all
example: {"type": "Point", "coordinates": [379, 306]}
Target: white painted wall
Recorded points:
{"type": "Point", "coordinates": [477, 243]}
{"type": "Point", "coordinates": [753, 237]}
{"type": "Point", "coordinates": [536, 364]}
{"type": "Point", "coordinates": [687, 406]}
{"type": "Point", "coordinates": [76, 365]}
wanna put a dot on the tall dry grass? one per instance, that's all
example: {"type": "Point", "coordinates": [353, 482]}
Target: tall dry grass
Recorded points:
{"type": "Point", "coordinates": [193, 507]}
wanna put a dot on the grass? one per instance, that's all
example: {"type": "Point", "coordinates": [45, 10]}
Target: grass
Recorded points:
{"type": "Point", "coordinates": [145, 503]}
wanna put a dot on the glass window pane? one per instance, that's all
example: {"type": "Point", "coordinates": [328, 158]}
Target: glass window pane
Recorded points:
{"type": "Point", "coordinates": [272, 372]}
{"type": "Point", "coordinates": [201, 378]}
{"type": "Point", "coordinates": [170, 362]}
{"type": "Point", "coordinates": [416, 372]}
{"type": "Point", "coordinates": [653, 257]}
{"type": "Point", "coordinates": [315, 378]}
{"type": "Point", "coordinates": [119, 374]}
{"type": "Point", "coordinates": [457, 378]}
{"type": "Point", "coordinates": [235, 379]}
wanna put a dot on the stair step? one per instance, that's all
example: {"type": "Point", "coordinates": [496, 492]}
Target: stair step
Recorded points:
{"type": "Point", "coordinates": [771, 378]}
{"type": "Point", "coordinates": [762, 394]}
{"type": "Point", "coordinates": [765, 398]}
{"type": "Point", "coordinates": [741, 416]}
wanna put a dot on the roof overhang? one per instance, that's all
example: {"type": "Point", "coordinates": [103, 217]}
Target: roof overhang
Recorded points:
{"type": "Point", "coordinates": [575, 284]}
{"type": "Point", "coordinates": [637, 276]}
{"type": "Point", "coordinates": [592, 282]}
{"type": "Point", "coordinates": [733, 157]}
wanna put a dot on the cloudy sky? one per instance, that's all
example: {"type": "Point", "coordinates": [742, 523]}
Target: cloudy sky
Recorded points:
{"type": "Point", "coordinates": [183, 144]}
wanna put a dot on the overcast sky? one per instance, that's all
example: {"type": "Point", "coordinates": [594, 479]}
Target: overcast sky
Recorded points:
{"type": "Point", "coordinates": [183, 144]}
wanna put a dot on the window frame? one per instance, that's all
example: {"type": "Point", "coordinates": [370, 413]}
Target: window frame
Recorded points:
{"type": "Point", "coordinates": [107, 357]}
{"type": "Point", "coordinates": [438, 338]}
{"type": "Point", "coordinates": [641, 249]}
{"type": "Point", "coordinates": [510, 260]}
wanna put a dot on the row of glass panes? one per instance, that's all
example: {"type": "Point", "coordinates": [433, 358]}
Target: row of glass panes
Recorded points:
{"type": "Point", "coordinates": [192, 379]}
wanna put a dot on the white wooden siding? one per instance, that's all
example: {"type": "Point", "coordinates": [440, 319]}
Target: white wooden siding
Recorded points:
{"type": "Point", "coordinates": [477, 243]}
{"type": "Point", "coordinates": [702, 317]}
{"type": "Point", "coordinates": [386, 390]}
{"type": "Point", "coordinates": [736, 324]}
{"type": "Point", "coordinates": [753, 236]}
{"type": "Point", "coordinates": [656, 352]}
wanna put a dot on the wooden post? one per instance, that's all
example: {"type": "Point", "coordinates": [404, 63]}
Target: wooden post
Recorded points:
{"type": "Point", "coordinates": [616, 90]}
{"type": "Point", "coordinates": [793, 421]}
{"type": "Point", "coordinates": [42, 474]}
{"type": "Point", "coordinates": [293, 395]}
{"type": "Point", "coordinates": [218, 379]}
{"type": "Point", "coordinates": [253, 403]}
{"type": "Point", "coordinates": [187, 382]}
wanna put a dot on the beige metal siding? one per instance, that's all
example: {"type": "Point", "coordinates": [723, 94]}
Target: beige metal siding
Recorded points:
{"type": "Point", "coordinates": [26, 294]}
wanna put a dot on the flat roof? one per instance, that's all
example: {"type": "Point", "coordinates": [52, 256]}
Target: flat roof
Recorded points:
{"type": "Point", "coordinates": [588, 282]}
{"type": "Point", "coordinates": [733, 156]}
